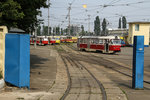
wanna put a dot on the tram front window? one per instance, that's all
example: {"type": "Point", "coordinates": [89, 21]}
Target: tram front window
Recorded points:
{"type": "Point", "coordinates": [57, 38]}
{"type": "Point", "coordinates": [116, 42]}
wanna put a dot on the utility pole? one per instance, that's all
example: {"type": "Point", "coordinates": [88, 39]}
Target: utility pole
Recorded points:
{"type": "Point", "coordinates": [69, 9]}
{"type": "Point", "coordinates": [89, 23]}
{"type": "Point", "coordinates": [48, 16]}
{"type": "Point", "coordinates": [35, 36]}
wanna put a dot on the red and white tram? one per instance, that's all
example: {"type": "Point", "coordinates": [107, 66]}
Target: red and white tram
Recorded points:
{"type": "Point", "coordinates": [42, 40]}
{"type": "Point", "coordinates": [32, 39]}
{"type": "Point", "coordinates": [106, 44]}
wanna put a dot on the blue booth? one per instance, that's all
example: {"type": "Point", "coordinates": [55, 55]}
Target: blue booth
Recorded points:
{"type": "Point", "coordinates": [138, 62]}
{"type": "Point", "coordinates": [17, 59]}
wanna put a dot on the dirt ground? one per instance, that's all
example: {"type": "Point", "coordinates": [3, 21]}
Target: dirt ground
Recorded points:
{"type": "Point", "coordinates": [49, 80]}
{"type": "Point", "coordinates": [43, 69]}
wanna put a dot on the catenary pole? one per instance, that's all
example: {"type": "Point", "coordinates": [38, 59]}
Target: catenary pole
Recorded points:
{"type": "Point", "coordinates": [48, 16]}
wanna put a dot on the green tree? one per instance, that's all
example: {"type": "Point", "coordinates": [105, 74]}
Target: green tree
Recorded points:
{"type": "Point", "coordinates": [58, 30]}
{"type": "Point", "coordinates": [30, 8]}
{"type": "Point", "coordinates": [10, 12]}
{"type": "Point", "coordinates": [66, 30]}
{"type": "Point", "coordinates": [104, 27]}
{"type": "Point", "coordinates": [50, 30]}
{"type": "Point", "coordinates": [72, 30]}
{"type": "Point", "coordinates": [21, 13]}
{"type": "Point", "coordinates": [97, 29]}
{"type": "Point", "coordinates": [124, 22]}
{"type": "Point", "coordinates": [54, 30]}
{"type": "Point", "coordinates": [39, 31]}
{"type": "Point", "coordinates": [91, 33]}
{"type": "Point", "coordinates": [119, 23]}
{"type": "Point", "coordinates": [45, 30]}
{"type": "Point", "coordinates": [62, 32]}
{"type": "Point", "coordinates": [82, 30]}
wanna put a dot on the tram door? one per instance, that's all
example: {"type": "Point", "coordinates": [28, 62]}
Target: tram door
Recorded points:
{"type": "Point", "coordinates": [106, 45]}
{"type": "Point", "coordinates": [78, 42]}
{"type": "Point", "coordinates": [88, 43]}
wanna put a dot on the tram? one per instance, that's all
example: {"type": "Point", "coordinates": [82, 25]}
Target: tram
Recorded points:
{"type": "Point", "coordinates": [63, 39]}
{"type": "Point", "coordinates": [32, 39]}
{"type": "Point", "coordinates": [106, 44]}
{"type": "Point", "coordinates": [54, 40]}
{"type": "Point", "coordinates": [42, 40]}
{"type": "Point", "coordinates": [74, 39]}
{"type": "Point", "coordinates": [57, 39]}
{"type": "Point", "coordinates": [71, 39]}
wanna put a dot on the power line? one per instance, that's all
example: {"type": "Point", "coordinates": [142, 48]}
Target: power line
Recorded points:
{"type": "Point", "coordinates": [73, 1]}
{"type": "Point", "coordinates": [114, 1]}
{"type": "Point", "coordinates": [100, 8]}
{"type": "Point", "coordinates": [68, 16]}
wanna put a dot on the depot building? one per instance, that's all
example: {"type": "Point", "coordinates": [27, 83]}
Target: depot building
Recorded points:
{"type": "Point", "coordinates": [138, 29]}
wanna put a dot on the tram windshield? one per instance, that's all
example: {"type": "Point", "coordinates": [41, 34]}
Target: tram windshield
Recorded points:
{"type": "Point", "coordinates": [57, 38]}
{"type": "Point", "coordinates": [116, 42]}
{"type": "Point", "coordinates": [45, 39]}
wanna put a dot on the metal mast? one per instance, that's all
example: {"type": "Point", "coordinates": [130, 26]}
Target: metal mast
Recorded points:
{"type": "Point", "coordinates": [89, 23]}
{"type": "Point", "coordinates": [69, 9]}
{"type": "Point", "coordinates": [69, 18]}
{"type": "Point", "coordinates": [48, 16]}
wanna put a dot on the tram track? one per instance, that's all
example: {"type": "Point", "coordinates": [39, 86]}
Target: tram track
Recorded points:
{"type": "Point", "coordinates": [72, 62]}
{"type": "Point", "coordinates": [109, 64]}
{"type": "Point", "coordinates": [99, 83]}
{"type": "Point", "coordinates": [83, 75]}
{"type": "Point", "coordinates": [69, 81]}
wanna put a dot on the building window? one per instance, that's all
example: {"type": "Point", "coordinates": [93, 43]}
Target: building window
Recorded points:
{"type": "Point", "coordinates": [136, 27]}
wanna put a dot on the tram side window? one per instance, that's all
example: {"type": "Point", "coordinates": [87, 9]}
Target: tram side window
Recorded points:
{"type": "Point", "coordinates": [92, 41]}
{"type": "Point", "coordinates": [69, 37]}
{"type": "Point", "coordinates": [88, 40]}
{"type": "Point", "coordinates": [96, 41]}
{"type": "Point", "coordinates": [116, 41]}
{"type": "Point", "coordinates": [81, 40]}
{"type": "Point", "coordinates": [111, 42]}
{"type": "Point", "coordinates": [85, 40]}
{"type": "Point", "coordinates": [100, 41]}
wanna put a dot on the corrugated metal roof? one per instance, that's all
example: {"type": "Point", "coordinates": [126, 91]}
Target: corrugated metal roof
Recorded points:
{"type": "Point", "coordinates": [16, 30]}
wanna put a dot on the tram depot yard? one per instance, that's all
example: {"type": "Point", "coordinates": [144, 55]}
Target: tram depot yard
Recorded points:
{"type": "Point", "coordinates": [58, 72]}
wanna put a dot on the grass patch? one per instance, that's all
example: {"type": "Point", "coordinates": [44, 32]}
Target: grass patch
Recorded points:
{"type": "Point", "coordinates": [124, 93]}
{"type": "Point", "coordinates": [51, 86]}
{"type": "Point", "coordinates": [20, 98]}
{"type": "Point", "coordinates": [1, 75]}
{"type": "Point", "coordinates": [60, 50]}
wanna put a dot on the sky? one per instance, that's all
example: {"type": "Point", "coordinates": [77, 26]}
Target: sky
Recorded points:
{"type": "Point", "coordinates": [111, 10]}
